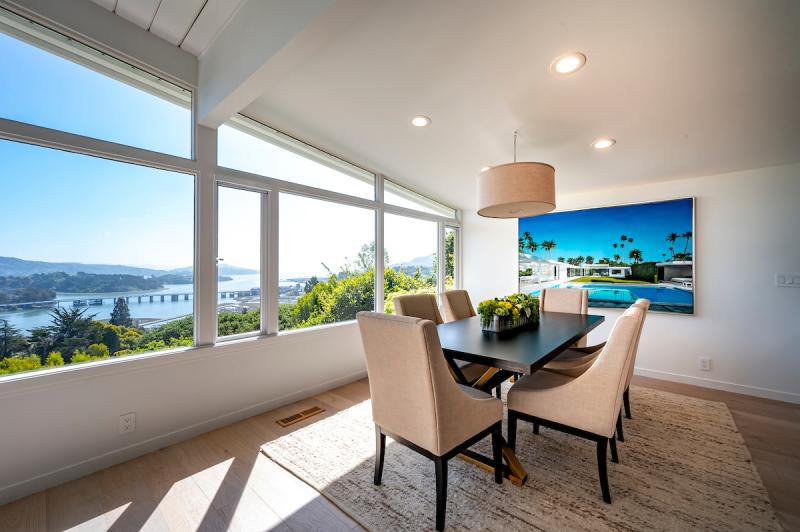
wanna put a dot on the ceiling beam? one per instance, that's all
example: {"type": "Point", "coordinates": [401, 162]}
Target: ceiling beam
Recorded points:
{"type": "Point", "coordinates": [233, 71]}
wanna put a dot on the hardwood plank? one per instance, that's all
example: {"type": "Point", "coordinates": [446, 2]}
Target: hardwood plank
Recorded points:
{"type": "Point", "coordinates": [27, 514]}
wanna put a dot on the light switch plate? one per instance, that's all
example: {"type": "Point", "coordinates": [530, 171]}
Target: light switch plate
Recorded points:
{"type": "Point", "coordinates": [787, 279]}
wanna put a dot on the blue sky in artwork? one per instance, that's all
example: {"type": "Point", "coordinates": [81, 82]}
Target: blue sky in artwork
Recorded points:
{"type": "Point", "coordinates": [594, 231]}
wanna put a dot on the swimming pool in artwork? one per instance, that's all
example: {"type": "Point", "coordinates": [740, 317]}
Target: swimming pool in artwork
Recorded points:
{"type": "Point", "coordinates": [662, 297]}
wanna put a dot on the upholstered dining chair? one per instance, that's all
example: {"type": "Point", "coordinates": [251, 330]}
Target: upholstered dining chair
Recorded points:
{"type": "Point", "coordinates": [416, 402]}
{"type": "Point", "coordinates": [571, 300]}
{"type": "Point", "coordinates": [574, 362]}
{"type": "Point", "coordinates": [587, 406]}
{"type": "Point", "coordinates": [418, 306]}
{"type": "Point", "coordinates": [457, 305]}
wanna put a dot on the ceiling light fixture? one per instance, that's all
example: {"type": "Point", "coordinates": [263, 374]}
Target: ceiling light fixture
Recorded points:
{"type": "Point", "coordinates": [567, 63]}
{"type": "Point", "coordinates": [603, 144]}
{"type": "Point", "coordinates": [485, 168]}
{"type": "Point", "coordinates": [421, 120]}
{"type": "Point", "coordinates": [516, 190]}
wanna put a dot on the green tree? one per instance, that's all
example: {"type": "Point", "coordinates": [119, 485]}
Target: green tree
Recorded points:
{"type": "Point", "coordinates": [688, 236]}
{"type": "Point", "coordinates": [310, 284]}
{"type": "Point", "coordinates": [365, 259]}
{"type": "Point", "coordinates": [17, 363]}
{"type": "Point", "coordinates": [636, 255]}
{"type": "Point", "coordinates": [560, 259]}
{"type": "Point", "coordinates": [121, 315]}
{"type": "Point", "coordinates": [11, 341]}
{"type": "Point", "coordinates": [589, 259]}
{"type": "Point", "coordinates": [671, 238]}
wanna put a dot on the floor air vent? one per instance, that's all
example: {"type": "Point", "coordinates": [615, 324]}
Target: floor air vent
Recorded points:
{"type": "Point", "coordinates": [300, 416]}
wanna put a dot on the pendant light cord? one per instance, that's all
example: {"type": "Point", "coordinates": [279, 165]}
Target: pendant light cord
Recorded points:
{"type": "Point", "coordinates": [515, 144]}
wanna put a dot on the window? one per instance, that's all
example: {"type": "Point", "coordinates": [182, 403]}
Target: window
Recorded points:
{"type": "Point", "coordinates": [238, 261]}
{"type": "Point", "coordinates": [410, 257]}
{"type": "Point", "coordinates": [251, 147]}
{"type": "Point", "coordinates": [450, 258]}
{"type": "Point", "coordinates": [95, 258]}
{"type": "Point", "coordinates": [51, 81]}
{"type": "Point", "coordinates": [394, 194]}
{"type": "Point", "coordinates": [327, 262]}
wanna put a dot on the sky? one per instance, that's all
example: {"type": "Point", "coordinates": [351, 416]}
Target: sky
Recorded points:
{"type": "Point", "coordinates": [58, 206]}
{"type": "Point", "coordinates": [593, 231]}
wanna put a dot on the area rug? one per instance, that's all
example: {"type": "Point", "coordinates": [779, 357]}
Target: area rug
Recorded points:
{"type": "Point", "coordinates": [683, 466]}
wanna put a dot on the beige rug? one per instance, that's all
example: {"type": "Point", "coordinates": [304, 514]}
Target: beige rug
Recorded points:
{"type": "Point", "coordinates": [683, 466]}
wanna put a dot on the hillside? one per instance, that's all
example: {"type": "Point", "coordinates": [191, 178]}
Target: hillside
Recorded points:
{"type": "Point", "coordinates": [20, 268]}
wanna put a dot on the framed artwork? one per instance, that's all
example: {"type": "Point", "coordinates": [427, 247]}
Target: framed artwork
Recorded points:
{"type": "Point", "coordinates": [620, 254]}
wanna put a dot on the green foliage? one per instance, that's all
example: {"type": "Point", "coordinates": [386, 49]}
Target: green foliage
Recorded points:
{"type": "Point", "coordinates": [17, 363]}
{"type": "Point", "coordinates": [54, 359]}
{"type": "Point", "coordinates": [182, 328]}
{"type": "Point", "coordinates": [238, 322]}
{"type": "Point", "coordinates": [121, 315]}
{"type": "Point", "coordinates": [98, 350]}
{"type": "Point", "coordinates": [644, 271]}
{"type": "Point", "coordinates": [511, 307]}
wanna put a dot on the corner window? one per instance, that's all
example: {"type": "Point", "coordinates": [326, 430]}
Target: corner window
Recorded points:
{"type": "Point", "coordinates": [251, 147]}
{"type": "Point", "coordinates": [327, 262]}
{"type": "Point", "coordinates": [95, 259]}
{"type": "Point", "coordinates": [51, 81]}
{"type": "Point", "coordinates": [394, 194]}
{"type": "Point", "coordinates": [410, 257]}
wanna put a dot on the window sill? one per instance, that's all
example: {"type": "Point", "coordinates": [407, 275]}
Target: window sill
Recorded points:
{"type": "Point", "coordinates": [33, 380]}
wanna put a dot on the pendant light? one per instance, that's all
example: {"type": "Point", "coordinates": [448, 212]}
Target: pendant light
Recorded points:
{"type": "Point", "coordinates": [516, 190]}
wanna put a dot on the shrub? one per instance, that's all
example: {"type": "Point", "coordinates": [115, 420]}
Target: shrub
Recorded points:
{"type": "Point", "coordinates": [54, 359]}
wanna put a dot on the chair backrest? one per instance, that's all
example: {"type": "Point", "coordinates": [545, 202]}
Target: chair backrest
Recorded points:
{"type": "Point", "coordinates": [457, 305]}
{"type": "Point", "coordinates": [412, 392]}
{"type": "Point", "coordinates": [643, 304]}
{"type": "Point", "coordinates": [573, 300]}
{"type": "Point", "coordinates": [604, 382]}
{"type": "Point", "coordinates": [419, 306]}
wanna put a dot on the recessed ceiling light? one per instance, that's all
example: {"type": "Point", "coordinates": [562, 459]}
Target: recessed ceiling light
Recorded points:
{"type": "Point", "coordinates": [603, 144]}
{"type": "Point", "coordinates": [485, 168]}
{"type": "Point", "coordinates": [567, 63]}
{"type": "Point", "coordinates": [420, 120]}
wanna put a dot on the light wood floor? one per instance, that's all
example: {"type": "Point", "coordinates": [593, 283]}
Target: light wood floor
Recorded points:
{"type": "Point", "coordinates": [220, 480]}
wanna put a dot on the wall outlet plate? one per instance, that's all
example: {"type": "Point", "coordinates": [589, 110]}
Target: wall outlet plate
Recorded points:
{"type": "Point", "coordinates": [787, 279]}
{"type": "Point", "coordinates": [127, 422]}
{"type": "Point", "coordinates": [704, 364]}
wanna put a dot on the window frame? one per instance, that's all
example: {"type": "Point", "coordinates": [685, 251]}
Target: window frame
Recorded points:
{"type": "Point", "coordinates": [208, 175]}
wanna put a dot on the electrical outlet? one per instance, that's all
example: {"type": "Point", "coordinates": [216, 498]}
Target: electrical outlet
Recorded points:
{"type": "Point", "coordinates": [704, 364]}
{"type": "Point", "coordinates": [127, 422]}
{"type": "Point", "coordinates": [787, 279]}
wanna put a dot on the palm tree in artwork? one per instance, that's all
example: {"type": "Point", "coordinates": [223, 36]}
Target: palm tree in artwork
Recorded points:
{"type": "Point", "coordinates": [521, 245]}
{"type": "Point", "coordinates": [579, 259]}
{"type": "Point", "coordinates": [605, 260]}
{"type": "Point", "coordinates": [636, 255]}
{"type": "Point", "coordinates": [616, 258]}
{"type": "Point", "coordinates": [589, 259]}
{"type": "Point", "coordinates": [548, 246]}
{"type": "Point", "coordinates": [688, 236]}
{"type": "Point", "coordinates": [671, 238]}
{"type": "Point", "coordinates": [529, 242]}
{"type": "Point", "coordinates": [560, 259]}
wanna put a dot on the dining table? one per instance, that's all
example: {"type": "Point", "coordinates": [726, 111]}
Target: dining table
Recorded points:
{"type": "Point", "coordinates": [508, 355]}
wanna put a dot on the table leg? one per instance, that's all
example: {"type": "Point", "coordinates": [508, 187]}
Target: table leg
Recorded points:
{"type": "Point", "coordinates": [512, 468]}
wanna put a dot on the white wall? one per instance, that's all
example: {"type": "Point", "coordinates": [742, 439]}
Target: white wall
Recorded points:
{"type": "Point", "coordinates": [747, 229]}
{"type": "Point", "coordinates": [62, 425]}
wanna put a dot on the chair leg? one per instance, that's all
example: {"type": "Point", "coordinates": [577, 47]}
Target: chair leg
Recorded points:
{"type": "Point", "coordinates": [620, 435]}
{"type": "Point", "coordinates": [497, 392]}
{"type": "Point", "coordinates": [441, 491]}
{"type": "Point", "coordinates": [380, 450]}
{"type": "Point", "coordinates": [535, 427]}
{"type": "Point", "coordinates": [497, 449]}
{"type": "Point", "coordinates": [512, 429]}
{"type": "Point", "coordinates": [602, 446]}
{"type": "Point", "coordinates": [626, 399]}
{"type": "Point", "coordinates": [613, 442]}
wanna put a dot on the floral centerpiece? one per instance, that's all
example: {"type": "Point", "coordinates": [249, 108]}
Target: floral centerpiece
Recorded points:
{"type": "Point", "coordinates": [510, 312]}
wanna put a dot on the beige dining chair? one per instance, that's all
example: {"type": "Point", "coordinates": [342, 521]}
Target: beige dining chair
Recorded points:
{"type": "Point", "coordinates": [571, 300]}
{"type": "Point", "coordinates": [587, 406]}
{"type": "Point", "coordinates": [457, 305]}
{"type": "Point", "coordinates": [574, 362]}
{"type": "Point", "coordinates": [416, 402]}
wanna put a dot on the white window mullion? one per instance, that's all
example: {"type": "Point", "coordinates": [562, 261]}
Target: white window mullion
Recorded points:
{"type": "Point", "coordinates": [270, 289]}
{"type": "Point", "coordinates": [379, 252]}
{"type": "Point", "coordinates": [205, 260]}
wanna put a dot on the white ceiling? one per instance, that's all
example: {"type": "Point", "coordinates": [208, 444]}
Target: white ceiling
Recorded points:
{"type": "Point", "coordinates": [687, 87]}
{"type": "Point", "coordinates": [191, 24]}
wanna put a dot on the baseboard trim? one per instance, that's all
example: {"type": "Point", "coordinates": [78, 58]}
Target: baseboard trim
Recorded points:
{"type": "Point", "coordinates": [53, 478]}
{"type": "Point", "coordinates": [744, 389]}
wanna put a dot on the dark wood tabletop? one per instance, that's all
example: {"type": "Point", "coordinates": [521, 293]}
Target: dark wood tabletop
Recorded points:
{"type": "Point", "coordinates": [522, 350]}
